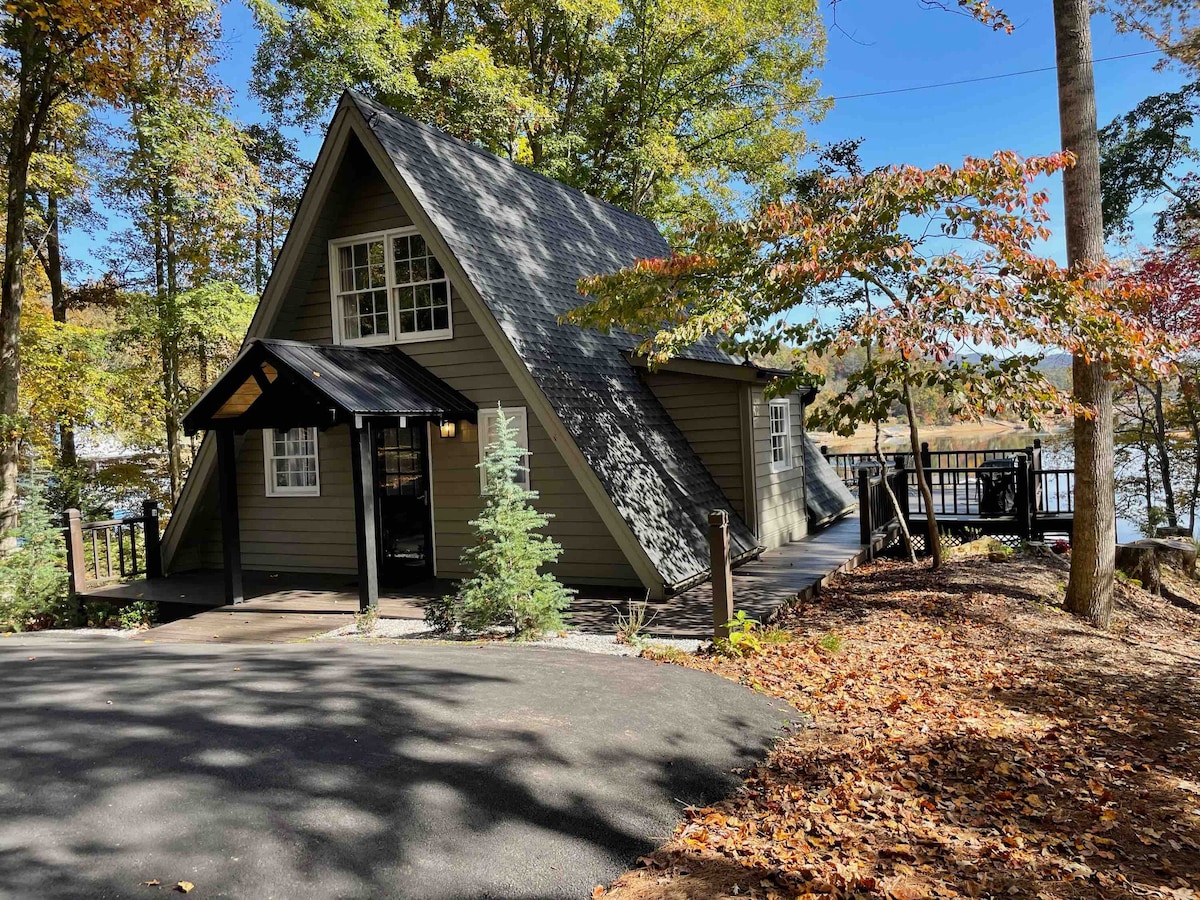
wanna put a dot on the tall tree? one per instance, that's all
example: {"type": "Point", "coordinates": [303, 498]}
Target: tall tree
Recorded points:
{"type": "Point", "coordinates": [189, 187]}
{"type": "Point", "coordinates": [1094, 541]}
{"type": "Point", "coordinates": [1147, 155]}
{"type": "Point", "coordinates": [949, 251]}
{"type": "Point", "coordinates": [664, 107]}
{"type": "Point", "coordinates": [52, 53]}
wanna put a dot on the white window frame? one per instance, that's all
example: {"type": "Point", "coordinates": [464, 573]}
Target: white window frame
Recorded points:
{"type": "Point", "coordinates": [780, 465]}
{"type": "Point", "coordinates": [269, 457]}
{"type": "Point", "coordinates": [393, 335]}
{"type": "Point", "coordinates": [521, 423]}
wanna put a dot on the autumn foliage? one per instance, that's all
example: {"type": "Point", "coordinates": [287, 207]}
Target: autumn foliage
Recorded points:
{"type": "Point", "coordinates": [965, 739]}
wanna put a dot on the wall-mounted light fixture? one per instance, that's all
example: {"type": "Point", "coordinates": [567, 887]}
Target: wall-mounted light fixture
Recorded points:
{"type": "Point", "coordinates": [447, 428]}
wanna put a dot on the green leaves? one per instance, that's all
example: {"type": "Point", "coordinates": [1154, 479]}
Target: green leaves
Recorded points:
{"type": "Point", "coordinates": [655, 105]}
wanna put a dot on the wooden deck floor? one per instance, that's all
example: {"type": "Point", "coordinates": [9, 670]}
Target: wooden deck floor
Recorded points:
{"type": "Point", "coordinates": [291, 607]}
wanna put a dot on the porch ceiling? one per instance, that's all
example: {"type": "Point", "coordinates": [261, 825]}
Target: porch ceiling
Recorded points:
{"type": "Point", "coordinates": [282, 383]}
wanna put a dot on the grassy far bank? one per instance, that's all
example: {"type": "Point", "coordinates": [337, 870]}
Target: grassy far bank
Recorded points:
{"type": "Point", "coordinates": [967, 739]}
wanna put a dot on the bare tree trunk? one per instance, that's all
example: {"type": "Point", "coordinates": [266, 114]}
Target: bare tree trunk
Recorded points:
{"type": "Point", "coordinates": [67, 455]}
{"type": "Point", "coordinates": [887, 486]}
{"type": "Point", "coordinates": [1093, 551]}
{"type": "Point", "coordinates": [1164, 456]}
{"type": "Point", "coordinates": [914, 438]}
{"type": "Point", "coordinates": [12, 294]}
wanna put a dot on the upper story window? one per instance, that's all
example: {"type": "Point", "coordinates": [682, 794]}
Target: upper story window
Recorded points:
{"type": "Point", "coordinates": [388, 288]}
{"type": "Point", "coordinates": [291, 462]}
{"type": "Point", "coordinates": [781, 435]}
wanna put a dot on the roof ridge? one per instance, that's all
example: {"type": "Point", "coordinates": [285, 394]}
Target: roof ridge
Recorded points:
{"type": "Point", "coordinates": [475, 148]}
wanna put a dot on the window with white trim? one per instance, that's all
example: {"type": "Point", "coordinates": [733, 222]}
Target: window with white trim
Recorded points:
{"type": "Point", "coordinates": [781, 435]}
{"type": "Point", "coordinates": [291, 462]}
{"type": "Point", "coordinates": [388, 288]}
{"type": "Point", "coordinates": [487, 434]}
{"type": "Point", "coordinates": [361, 297]}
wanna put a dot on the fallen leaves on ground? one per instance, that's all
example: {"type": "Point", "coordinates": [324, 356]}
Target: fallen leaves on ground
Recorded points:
{"type": "Point", "coordinates": [968, 739]}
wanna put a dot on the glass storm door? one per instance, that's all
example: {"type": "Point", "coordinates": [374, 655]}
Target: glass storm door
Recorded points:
{"type": "Point", "coordinates": [402, 502]}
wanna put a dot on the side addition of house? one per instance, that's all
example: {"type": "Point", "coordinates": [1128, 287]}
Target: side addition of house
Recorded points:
{"type": "Point", "coordinates": [419, 289]}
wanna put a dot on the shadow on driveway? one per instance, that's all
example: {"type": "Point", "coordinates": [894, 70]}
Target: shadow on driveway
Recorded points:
{"type": "Point", "coordinates": [330, 771]}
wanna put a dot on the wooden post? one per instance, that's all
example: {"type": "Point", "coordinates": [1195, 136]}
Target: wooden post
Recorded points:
{"type": "Point", "coordinates": [901, 487]}
{"type": "Point", "coordinates": [722, 574]}
{"type": "Point", "coordinates": [364, 516]}
{"type": "Point", "coordinates": [866, 525]}
{"type": "Point", "coordinates": [76, 567]}
{"type": "Point", "coordinates": [231, 533]}
{"type": "Point", "coordinates": [151, 539]}
{"type": "Point", "coordinates": [1025, 500]}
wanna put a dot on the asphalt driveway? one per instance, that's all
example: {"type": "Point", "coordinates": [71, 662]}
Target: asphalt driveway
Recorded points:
{"type": "Point", "coordinates": [350, 771]}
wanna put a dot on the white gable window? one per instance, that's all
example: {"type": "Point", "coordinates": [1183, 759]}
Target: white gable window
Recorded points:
{"type": "Point", "coordinates": [291, 462]}
{"type": "Point", "coordinates": [781, 435]}
{"type": "Point", "coordinates": [487, 434]}
{"type": "Point", "coordinates": [421, 289]}
{"type": "Point", "coordinates": [388, 288]}
{"type": "Point", "coordinates": [361, 292]}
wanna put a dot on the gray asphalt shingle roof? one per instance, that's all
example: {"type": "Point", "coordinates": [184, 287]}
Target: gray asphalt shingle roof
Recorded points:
{"type": "Point", "coordinates": [524, 241]}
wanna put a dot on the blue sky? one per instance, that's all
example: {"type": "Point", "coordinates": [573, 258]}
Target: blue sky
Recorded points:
{"type": "Point", "coordinates": [894, 44]}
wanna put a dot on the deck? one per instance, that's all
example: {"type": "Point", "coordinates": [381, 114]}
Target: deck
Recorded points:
{"type": "Point", "coordinates": [291, 607]}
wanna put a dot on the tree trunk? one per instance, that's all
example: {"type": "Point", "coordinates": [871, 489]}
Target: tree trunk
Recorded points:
{"type": "Point", "coordinates": [12, 292]}
{"type": "Point", "coordinates": [887, 486]}
{"type": "Point", "coordinates": [67, 455]}
{"type": "Point", "coordinates": [934, 541]}
{"type": "Point", "coordinates": [1164, 456]}
{"type": "Point", "coordinates": [1094, 543]}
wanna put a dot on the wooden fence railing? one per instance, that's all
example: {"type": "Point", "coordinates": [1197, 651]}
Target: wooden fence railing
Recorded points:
{"type": "Point", "coordinates": [1022, 500]}
{"type": "Point", "coordinates": [847, 464]}
{"type": "Point", "coordinates": [112, 549]}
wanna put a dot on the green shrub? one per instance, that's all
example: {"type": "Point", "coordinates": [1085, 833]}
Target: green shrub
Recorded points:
{"type": "Point", "coordinates": [139, 614]}
{"type": "Point", "coordinates": [506, 587]}
{"type": "Point", "coordinates": [744, 638]}
{"type": "Point", "coordinates": [33, 576]}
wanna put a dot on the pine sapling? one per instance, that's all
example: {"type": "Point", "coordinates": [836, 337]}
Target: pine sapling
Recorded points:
{"type": "Point", "coordinates": [506, 587]}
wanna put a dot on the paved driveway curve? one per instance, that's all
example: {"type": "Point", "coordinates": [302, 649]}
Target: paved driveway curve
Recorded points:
{"type": "Point", "coordinates": [350, 771]}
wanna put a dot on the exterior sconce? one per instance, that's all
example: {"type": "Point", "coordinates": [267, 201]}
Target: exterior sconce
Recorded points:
{"type": "Point", "coordinates": [447, 428]}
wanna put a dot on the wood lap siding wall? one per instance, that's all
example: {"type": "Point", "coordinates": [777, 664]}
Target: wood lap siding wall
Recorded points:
{"type": "Point", "coordinates": [467, 362]}
{"type": "Point", "coordinates": [782, 511]}
{"type": "Point", "coordinates": [708, 412]}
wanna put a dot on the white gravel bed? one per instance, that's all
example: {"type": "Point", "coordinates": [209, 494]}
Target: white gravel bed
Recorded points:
{"type": "Point", "coordinates": [418, 630]}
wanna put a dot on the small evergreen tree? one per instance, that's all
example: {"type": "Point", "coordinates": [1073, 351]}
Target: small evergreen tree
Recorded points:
{"type": "Point", "coordinates": [506, 587]}
{"type": "Point", "coordinates": [33, 578]}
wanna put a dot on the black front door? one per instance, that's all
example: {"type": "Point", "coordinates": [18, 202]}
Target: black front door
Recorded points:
{"type": "Point", "coordinates": [402, 502]}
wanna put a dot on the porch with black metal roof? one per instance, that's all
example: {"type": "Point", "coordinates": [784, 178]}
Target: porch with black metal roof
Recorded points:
{"type": "Point", "coordinates": [286, 384]}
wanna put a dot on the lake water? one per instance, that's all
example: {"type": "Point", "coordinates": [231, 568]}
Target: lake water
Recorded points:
{"type": "Point", "coordinates": [1057, 451]}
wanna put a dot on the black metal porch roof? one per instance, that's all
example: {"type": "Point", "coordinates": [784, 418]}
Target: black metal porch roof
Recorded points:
{"type": "Point", "coordinates": [357, 381]}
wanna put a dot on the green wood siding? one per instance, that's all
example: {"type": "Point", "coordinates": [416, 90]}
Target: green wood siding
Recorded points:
{"type": "Point", "coordinates": [708, 413]}
{"type": "Point", "coordinates": [782, 515]}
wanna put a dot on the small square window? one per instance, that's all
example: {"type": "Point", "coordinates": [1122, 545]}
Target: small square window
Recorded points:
{"type": "Point", "coordinates": [291, 462]}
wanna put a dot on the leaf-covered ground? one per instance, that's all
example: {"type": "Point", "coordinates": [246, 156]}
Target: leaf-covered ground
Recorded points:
{"type": "Point", "coordinates": [967, 739]}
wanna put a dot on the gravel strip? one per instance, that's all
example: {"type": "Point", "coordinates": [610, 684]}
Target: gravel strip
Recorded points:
{"type": "Point", "coordinates": [417, 630]}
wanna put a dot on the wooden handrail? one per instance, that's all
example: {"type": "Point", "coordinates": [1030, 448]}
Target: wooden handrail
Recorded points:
{"type": "Point", "coordinates": [150, 557]}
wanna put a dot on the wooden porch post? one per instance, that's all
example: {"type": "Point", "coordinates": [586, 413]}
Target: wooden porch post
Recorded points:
{"type": "Point", "coordinates": [722, 574]}
{"type": "Point", "coordinates": [364, 515]}
{"type": "Point", "coordinates": [151, 539]}
{"type": "Point", "coordinates": [76, 567]}
{"type": "Point", "coordinates": [231, 534]}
